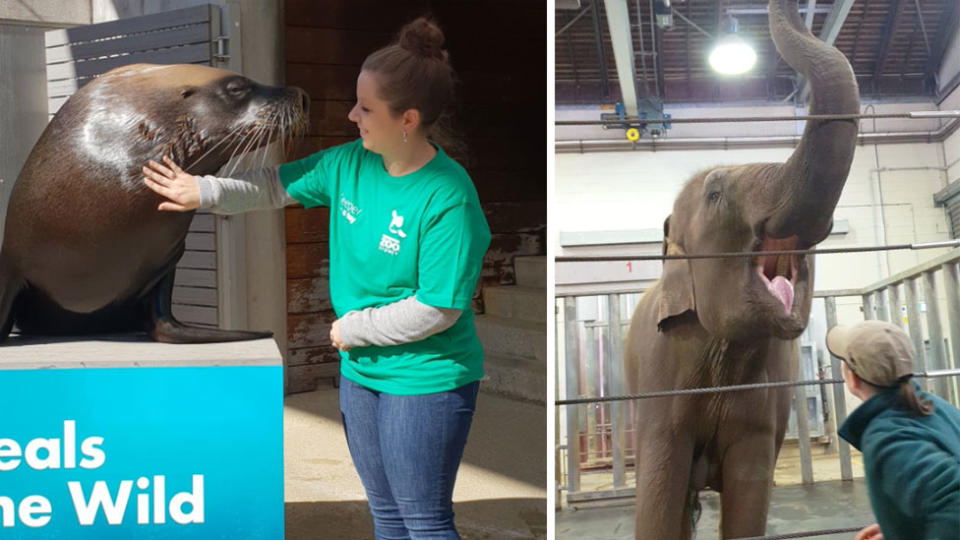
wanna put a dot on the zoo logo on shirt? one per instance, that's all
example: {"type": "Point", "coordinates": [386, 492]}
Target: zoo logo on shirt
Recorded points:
{"type": "Point", "coordinates": [389, 244]}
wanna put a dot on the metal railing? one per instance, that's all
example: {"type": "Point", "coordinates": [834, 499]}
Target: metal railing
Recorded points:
{"type": "Point", "coordinates": [881, 300]}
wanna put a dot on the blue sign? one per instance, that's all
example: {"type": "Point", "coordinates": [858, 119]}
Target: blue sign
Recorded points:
{"type": "Point", "coordinates": [178, 452]}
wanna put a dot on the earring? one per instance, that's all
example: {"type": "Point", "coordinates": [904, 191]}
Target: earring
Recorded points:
{"type": "Point", "coordinates": [404, 136]}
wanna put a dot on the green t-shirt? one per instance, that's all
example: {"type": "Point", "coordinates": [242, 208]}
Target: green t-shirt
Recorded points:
{"type": "Point", "coordinates": [421, 234]}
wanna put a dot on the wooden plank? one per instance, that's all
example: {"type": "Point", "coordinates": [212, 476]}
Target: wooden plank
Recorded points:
{"type": "Point", "coordinates": [132, 25]}
{"type": "Point", "coordinates": [370, 15]}
{"type": "Point", "coordinates": [332, 46]}
{"type": "Point", "coordinates": [517, 186]}
{"type": "Point", "coordinates": [198, 33]}
{"type": "Point", "coordinates": [521, 41]}
{"type": "Point", "coordinates": [324, 82]}
{"type": "Point", "coordinates": [308, 295]}
{"type": "Point", "coordinates": [203, 223]}
{"type": "Point", "coordinates": [189, 277]}
{"type": "Point", "coordinates": [307, 378]}
{"type": "Point", "coordinates": [308, 260]}
{"type": "Point", "coordinates": [199, 52]}
{"type": "Point", "coordinates": [309, 145]}
{"type": "Point", "coordinates": [498, 119]}
{"type": "Point", "coordinates": [521, 152]}
{"type": "Point", "coordinates": [201, 241]}
{"type": "Point", "coordinates": [195, 296]}
{"type": "Point", "coordinates": [312, 355]}
{"type": "Point", "coordinates": [307, 225]}
{"type": "Point", "coordinates": [65, 87]}
{"type": "Point", "coordinates": [330, 118]}
{"type": "Point", "coordinates": [201, 260]}
{"type": "Point", "coordinates": [516, 217]}
{"type": "Point", "coordinates": [479, 86]}
{"type": "Point", "coordinates": [195, 314]}
{"type": "Point", "coordinates": [309, 329]}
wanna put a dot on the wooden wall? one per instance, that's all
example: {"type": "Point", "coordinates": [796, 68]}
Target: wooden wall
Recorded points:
{"type": "Point", "coordinates": [498, 49]}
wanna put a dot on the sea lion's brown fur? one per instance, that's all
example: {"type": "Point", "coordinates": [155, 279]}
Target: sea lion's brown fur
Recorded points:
{"type": "Point", "coordinates": [85, 248]}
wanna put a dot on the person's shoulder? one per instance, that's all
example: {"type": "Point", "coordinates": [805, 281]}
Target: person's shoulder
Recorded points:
{"type": "Point", "coordinates": [449, 181]}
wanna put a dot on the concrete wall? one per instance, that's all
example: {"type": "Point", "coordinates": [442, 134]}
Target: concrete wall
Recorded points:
{"type": "Point", "coordinates": [23, 87]}
{"type": "Point", "coordinates": [23, 109]}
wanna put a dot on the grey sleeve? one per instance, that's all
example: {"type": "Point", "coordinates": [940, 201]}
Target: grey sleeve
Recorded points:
{"type": "Point", "coordinates": [258, 189]}
{"type": "Point", "coordinates": [405, 321]}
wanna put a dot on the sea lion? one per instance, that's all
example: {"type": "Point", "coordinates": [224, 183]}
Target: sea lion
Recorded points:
{"type": "Point", "coordinates": [85, 249]}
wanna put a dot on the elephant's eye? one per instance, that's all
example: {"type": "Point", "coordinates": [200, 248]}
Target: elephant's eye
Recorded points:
{"type": "Point", "coordinates": [714, 196]}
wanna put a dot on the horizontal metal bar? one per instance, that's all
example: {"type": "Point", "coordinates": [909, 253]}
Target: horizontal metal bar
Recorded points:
{"type": "Point", "coordinates": [745, 254]}
{"type": "Point", "coordinates": [806, 534]}
{"type": "Point", "coordinates": [734, 388]}
{"type": "Point", "coordinates": [633, 120]}
{"type": "Point", "coordinates": [584, 496]}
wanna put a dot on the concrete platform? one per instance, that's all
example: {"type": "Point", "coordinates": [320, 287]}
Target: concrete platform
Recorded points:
{"type": "Point", "coordinates": [793, 509]}
{"type": "Point", "coordinates": [500, 491]}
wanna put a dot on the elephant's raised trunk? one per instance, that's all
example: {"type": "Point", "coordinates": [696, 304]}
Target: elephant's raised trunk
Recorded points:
{"type": "Point", "coordinates": [809, 183]}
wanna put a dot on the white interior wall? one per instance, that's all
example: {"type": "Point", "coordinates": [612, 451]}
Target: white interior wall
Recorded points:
{"type": "Point", "coordinates": [636, 190]}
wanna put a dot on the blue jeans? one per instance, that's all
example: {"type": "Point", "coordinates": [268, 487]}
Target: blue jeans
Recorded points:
{"type": "Point", "coordinates": [407, 450]}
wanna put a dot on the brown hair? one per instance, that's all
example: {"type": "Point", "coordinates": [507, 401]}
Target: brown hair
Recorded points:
{"type": "Point", "coordinates": [910, 401]}
{"type": "Point", "coordinates": [415, 73]}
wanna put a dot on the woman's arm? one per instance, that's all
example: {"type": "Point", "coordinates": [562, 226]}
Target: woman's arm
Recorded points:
{"type": "Point", "coordinates": [250, 190]}
{"type": "Point", "coordinates": [922, 478]}
{"type": "Point", "coordinates": [404, 321]}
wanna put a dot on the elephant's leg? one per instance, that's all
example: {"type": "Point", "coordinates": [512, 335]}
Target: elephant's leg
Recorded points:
{"type": "Point", "coordinates": [747, 469]}
{"type": "Point", "coordinates": [664, 463]}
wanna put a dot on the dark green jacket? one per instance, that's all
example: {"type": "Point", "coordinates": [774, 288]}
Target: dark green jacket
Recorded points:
{"type": "Point", "coordinates": [912, 466]}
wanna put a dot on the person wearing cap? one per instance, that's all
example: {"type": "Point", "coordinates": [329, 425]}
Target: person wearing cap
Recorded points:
{"type": "Point", "coordinates": [910, 440]}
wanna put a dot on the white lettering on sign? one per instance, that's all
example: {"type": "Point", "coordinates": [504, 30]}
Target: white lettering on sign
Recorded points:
{"type": "Point", "coordinates": [110, 499]}
{"type": "Point", "coordinates": [33, 510]}
{"type": "Point", "coordinates": [115, 507]}
{"type": "Point", "coordinates": [45, 453]}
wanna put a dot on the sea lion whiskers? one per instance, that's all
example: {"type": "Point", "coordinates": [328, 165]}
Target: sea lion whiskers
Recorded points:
{"type": "Point", "coordinates": [226, 139]}
{"type": "Point", "coordinates": [252, 139]}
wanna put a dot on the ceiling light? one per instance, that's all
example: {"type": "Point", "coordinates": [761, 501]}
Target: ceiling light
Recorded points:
{"type": "Point", "coordinates": [731, 55]}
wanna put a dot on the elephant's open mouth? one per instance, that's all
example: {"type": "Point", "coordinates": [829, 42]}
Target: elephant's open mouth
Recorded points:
{"type": "Point", "coordinates": [778, 272]}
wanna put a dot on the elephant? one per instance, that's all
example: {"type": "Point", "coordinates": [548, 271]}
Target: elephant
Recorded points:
{"type": "Point", "coordinates": [724, 321]}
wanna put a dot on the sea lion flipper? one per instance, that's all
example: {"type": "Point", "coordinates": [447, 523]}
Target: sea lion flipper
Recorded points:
{"type": "Point", "coordinates": [162, 326]}
{"type": "Point", "coordinates": [11, 283]}
{"type": "Point", "coordinates": [173, 331]}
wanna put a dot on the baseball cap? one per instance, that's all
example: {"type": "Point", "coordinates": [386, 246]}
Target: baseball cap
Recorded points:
{"type": "Point", "coordinates": [877, 351]}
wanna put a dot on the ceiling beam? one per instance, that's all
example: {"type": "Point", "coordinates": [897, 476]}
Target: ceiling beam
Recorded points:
{"type": "Point", "coordinates": [949, 25]}
{"type": "Point", "coordinates": [828, 34]}
{"type": "Point", "coordinates": [601, 58]}
{"type": "Point", "coordinates": [894, 14]}
{"type": "Point", "coordinates": [618, 20]}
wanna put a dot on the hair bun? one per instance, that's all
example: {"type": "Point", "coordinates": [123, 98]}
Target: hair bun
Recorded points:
{"type": "Point", "coordinates": [423, 37]}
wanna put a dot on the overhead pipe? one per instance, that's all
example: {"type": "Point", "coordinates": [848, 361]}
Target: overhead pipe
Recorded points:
{"type": "Point", "coordinates": [925, 115]}
{"type": "Point", "coordinates": [582, 146]}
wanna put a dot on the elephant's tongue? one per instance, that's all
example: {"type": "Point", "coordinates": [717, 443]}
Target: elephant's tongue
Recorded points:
{"type": "Point", "coordinates": [783, 290]}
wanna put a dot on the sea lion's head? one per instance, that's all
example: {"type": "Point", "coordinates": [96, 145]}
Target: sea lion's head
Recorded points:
{"type": "Point", "coordinates": [198, 115]}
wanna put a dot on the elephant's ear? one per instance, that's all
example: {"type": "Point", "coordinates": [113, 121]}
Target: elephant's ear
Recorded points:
{"type": "Point", "coordinates": [676, 295]}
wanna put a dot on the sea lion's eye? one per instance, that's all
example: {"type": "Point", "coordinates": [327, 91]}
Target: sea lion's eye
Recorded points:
{"type": "Point", "coordinates": [187, 92]}
{"type": "Point", "coordinates": [237, 87]}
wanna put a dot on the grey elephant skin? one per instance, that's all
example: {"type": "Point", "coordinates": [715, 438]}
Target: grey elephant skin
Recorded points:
{"type": "Point", "coordinates": [714, 322]}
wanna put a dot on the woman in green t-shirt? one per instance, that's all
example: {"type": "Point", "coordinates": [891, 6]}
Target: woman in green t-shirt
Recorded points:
{"type": "Point", "coordinates": [407, 239]}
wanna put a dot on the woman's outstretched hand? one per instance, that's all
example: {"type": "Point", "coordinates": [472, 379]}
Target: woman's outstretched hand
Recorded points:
{"type": "Point", "coordinates": [180, 188]}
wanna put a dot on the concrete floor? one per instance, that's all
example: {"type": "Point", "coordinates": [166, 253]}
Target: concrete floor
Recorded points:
{"type": "Point", "coordinates": [824, 505]}
{"type": "Point", "coordinates": [500, 491]}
